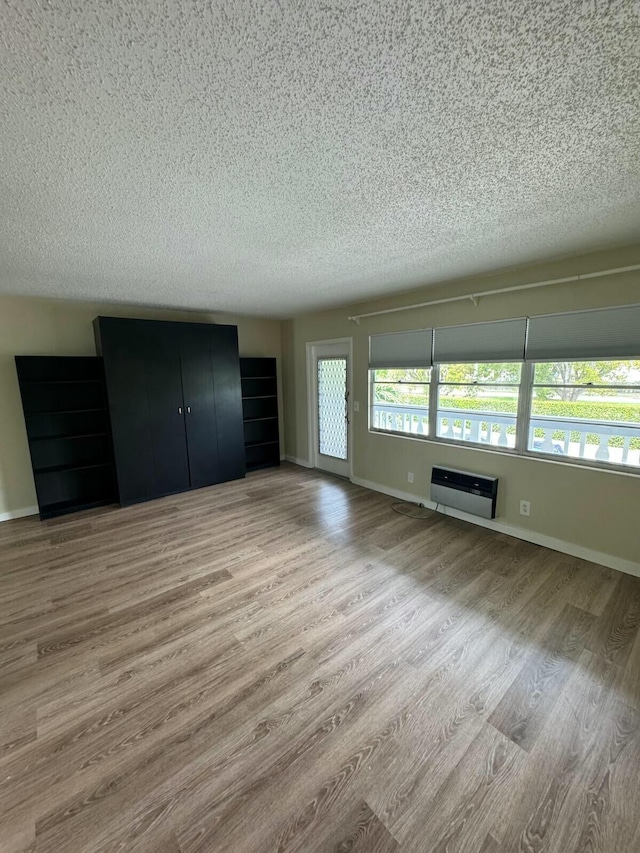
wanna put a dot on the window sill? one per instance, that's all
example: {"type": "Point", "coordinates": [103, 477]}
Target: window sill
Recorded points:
{"type": "Point", "coordinates": [588, 464]}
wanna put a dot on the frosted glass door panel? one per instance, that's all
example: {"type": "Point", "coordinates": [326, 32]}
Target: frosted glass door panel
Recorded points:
{"type": "Point", "coordinates": [332, 407]}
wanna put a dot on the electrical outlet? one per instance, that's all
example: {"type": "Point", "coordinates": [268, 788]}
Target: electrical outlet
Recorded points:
{"type": "Point", "coordinates": [525, 508]}
{"type": "Point", "coordinates": [410, 477]}
{"type": "Point", "coordinates": [356, 406]}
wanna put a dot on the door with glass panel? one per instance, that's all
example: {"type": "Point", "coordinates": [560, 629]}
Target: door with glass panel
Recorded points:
{"type": "Point", "coordinates": [331, 380]}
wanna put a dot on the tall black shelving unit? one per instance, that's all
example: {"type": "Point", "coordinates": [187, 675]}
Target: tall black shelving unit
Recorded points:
{"type": "Point", "coordinates": [67, 424]}
{"type": "Point", "coordinates": [260, 412]}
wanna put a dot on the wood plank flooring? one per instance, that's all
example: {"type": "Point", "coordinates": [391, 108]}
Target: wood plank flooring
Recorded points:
{"type": "Point", "coordinates": [285, 664]}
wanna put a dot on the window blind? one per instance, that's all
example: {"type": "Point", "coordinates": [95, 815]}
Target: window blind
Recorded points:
{"type": "Point", "coordinates": [401, 349]}
{"type": "Point", "coordinates": [502, 340]}
{"type": "Point", "coordinates": [605, 333]}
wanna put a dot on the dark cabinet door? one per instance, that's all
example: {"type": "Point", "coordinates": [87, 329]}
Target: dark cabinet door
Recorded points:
{"type": "Point", "coordinates": [124, 354]}
{"type": "Point", "coordinates": [166, 406]}
{"type": "Point", "coordinates": [228, 397]}
{"type": "Point", "coordinates": [200, 407]}
{"type": "Point", "coordinates": [175, 404]}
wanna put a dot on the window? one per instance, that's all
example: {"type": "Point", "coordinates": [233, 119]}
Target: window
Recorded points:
{"type": "Point", "coordinates": [559, 386]}
{"type": "Point", "coordinates": [400, 400]}
{"type": "Point", "coordinates": [586, 410]}
{"type": "Point", "coordinates": [479, 403]}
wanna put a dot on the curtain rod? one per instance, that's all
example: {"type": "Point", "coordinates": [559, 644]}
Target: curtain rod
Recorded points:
{"type": "Point", "coordinates": [474, 297]}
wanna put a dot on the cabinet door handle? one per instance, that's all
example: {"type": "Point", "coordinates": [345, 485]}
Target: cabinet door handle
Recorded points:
{"type": "Point", "coordinates": [179, 410]}
{"type": "Point", "coordinates": [188, 410]}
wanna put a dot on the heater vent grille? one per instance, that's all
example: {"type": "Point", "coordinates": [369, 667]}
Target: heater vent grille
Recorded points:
{"type": "Point", "coordinates": [472, 493]}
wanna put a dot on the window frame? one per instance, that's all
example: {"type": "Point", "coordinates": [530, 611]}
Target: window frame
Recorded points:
{"type": "Point", "coordinates": [601, 465]}
{"type": "Point", "coordinates": [372, 403]}
{"type": "Point", "coordinates": [523, 420]}
{"type": "Point", "coordinates": [482, 445]}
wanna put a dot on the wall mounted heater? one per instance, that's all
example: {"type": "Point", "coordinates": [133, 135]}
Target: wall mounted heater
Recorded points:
{"type": "Point", "coordinates": [461, 490]}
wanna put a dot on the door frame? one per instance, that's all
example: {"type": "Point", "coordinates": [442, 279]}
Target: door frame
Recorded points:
{"type": "Point", "coordinates": [312, 394]}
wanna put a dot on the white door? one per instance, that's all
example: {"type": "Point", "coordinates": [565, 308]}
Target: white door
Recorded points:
{"type": "Point", "coordinates": [330, 366]}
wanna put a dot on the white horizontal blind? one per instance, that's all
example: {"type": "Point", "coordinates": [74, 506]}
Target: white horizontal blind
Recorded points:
{"type": "Point", "coordinates": [502, 340]}
{"type": "Point", "coordinates": [605, 333]}
{"type": "Point", "coordinates": [401, 349]}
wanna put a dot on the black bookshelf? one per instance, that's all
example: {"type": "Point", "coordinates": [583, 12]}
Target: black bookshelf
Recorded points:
{"type": "Point", "coordinates": [65, 413]}
{"type": "Point", "coordinates": [260, 412]}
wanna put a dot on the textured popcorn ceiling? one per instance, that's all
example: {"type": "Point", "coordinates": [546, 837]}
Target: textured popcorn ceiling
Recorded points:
{"type": "Point", "coordinates": [273, 157]}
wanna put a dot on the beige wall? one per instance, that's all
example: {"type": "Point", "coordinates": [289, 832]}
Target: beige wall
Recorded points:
{"type": "Point", "coordinates": [58, 327]}
{"type": "Point", "coordinates": [594, 509]}
{"type": "Point", "coordinates": [598, 510]}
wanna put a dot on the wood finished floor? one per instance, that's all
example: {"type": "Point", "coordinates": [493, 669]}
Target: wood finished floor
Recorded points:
{"type": "Point", "coordinates": [284, 664]}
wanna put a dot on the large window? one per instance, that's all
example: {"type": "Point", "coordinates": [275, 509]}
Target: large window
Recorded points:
{"type": "Point", "coordinates": [586, 410]}
{"type": "Point", "coordinates": [478, 403]}
{"type": "Point", "coordinates": [400, 400]}
{"type": "Point", "coordinates": [581, 410]}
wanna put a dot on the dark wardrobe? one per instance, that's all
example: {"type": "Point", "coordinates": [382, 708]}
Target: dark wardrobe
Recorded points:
{"type": "Point", "coordinates": [175, 403]}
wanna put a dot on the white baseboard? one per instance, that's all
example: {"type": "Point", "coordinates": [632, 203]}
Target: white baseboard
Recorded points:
{"type": "Point", "coordinates": [551, 542]}
{"type": "Point", "coordinates": [303, 462]}
{"type": "Point", "coordinates": [19, 513]}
